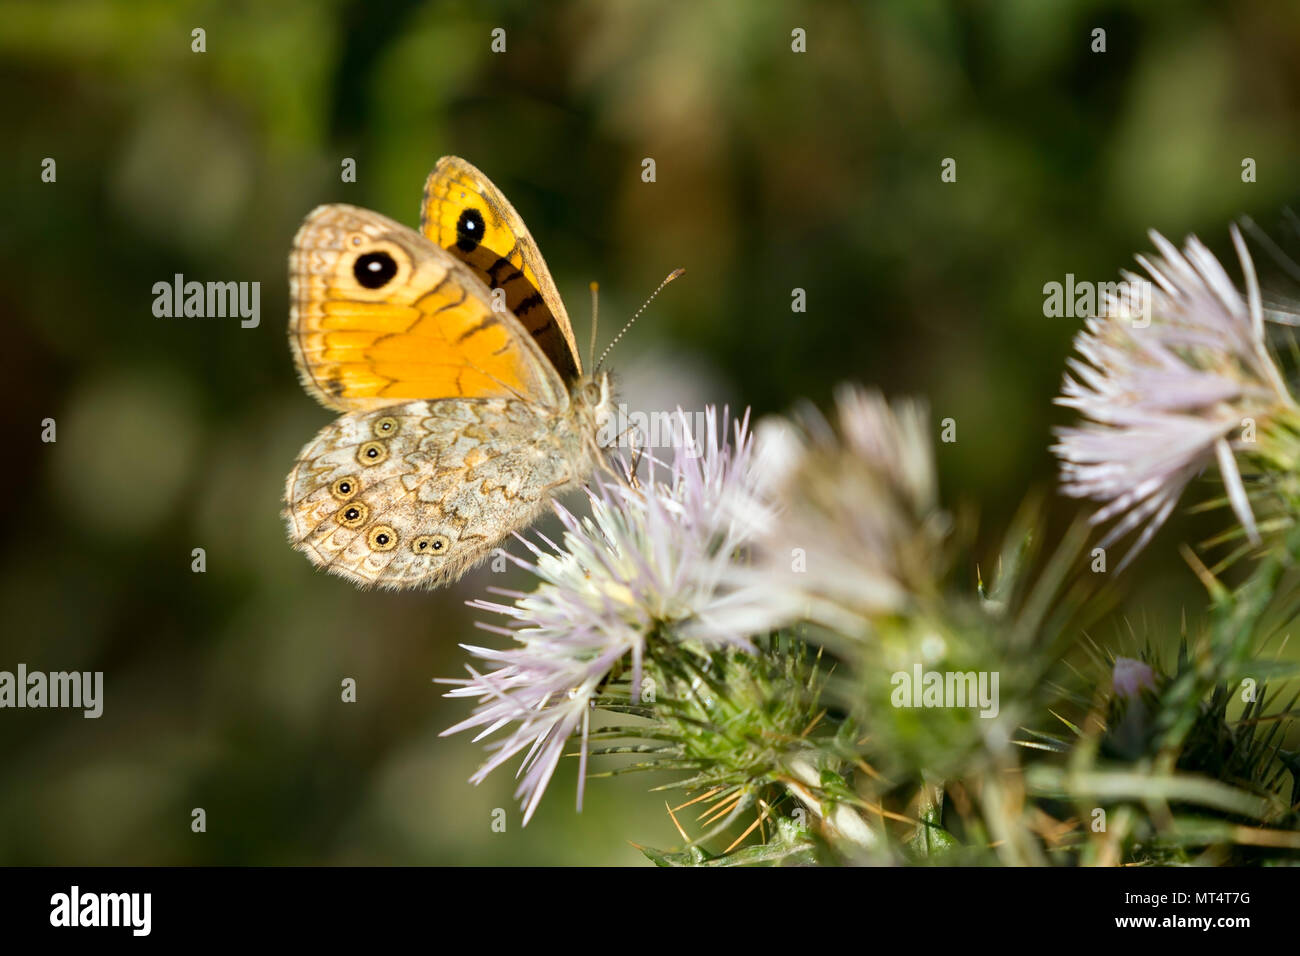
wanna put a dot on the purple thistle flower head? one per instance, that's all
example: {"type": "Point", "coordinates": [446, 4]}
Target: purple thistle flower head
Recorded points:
{"type": "Point", "coordinates": [651, 557]}
{"type": "Point", "coordinates": [1130, 676]}
{"type": "Point", "coordinates": [856, 532]}
{"type": "Point", "coordinates": [1166, 389]}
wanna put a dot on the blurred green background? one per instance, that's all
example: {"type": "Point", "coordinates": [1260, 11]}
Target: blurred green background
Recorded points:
{"type": "Point", "coordinates": [775, 170]}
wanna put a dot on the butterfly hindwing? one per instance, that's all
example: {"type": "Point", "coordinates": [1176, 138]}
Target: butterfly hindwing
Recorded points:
{"type": "Point", "coordinates": [464, 213]}
{"type": "Point", "coordinates": [379, 314]}
{"type": "Point", "coordinates": [418, 493]}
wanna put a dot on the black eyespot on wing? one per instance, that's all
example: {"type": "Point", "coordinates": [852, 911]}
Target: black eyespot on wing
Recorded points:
{"type": "Point", "coordinates": [374, 270]}
{"type": "Point", "coordinates": [372, 453]}
{"type": "Point", "coordinates": [353, 515]}
{"type": "Point", "coordinates": [385, 427]}
{"type": "Point", "coordinates": [344, 488]}
{"type": "Point", "coordinates": [469, 230]}
{"type": "Point", "coordinates": [381, 538]}
{"type": "Point", "coordinates": [431, 544]}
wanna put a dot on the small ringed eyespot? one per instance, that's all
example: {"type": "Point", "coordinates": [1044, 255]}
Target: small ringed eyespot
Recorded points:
{"type": "Point", "coordinates": [372, 453]}
{"type": "Point", "coordinates": [353, 515]}
{"type": "Point", "coordinates": [374, 270]}
{"type": "Point", "coordinates": [344, 488]}
{"type": "Point", "coordinates": [381, 538]}
{"type": "Point", "coordinates": [385, 427]}
{"type": "Point", "coordinates": [435, 544]}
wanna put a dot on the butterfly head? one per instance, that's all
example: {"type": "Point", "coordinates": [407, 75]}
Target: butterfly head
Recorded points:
{"type": "Point", "coordinates": [595, 396]}
{"type": "Point", "coordinates": [592, 402]}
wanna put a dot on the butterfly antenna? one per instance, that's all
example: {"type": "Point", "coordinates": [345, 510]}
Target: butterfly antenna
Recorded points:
{"type": "Point", "coordinates": [669, 278]}
{"type": "Point", "coordinates": [591, 352]}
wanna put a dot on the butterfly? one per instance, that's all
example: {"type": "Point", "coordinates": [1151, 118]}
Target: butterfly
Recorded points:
{"type": "Point", "coordinates": [452, 359]}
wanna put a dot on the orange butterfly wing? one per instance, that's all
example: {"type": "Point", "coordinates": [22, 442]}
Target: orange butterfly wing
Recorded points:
{"type": "Point", "coordinates": [379, 314]}
{"type": "Point", "coordinates": [464, 213]}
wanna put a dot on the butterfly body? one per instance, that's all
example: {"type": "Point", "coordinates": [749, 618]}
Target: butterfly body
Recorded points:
{"type": "Point", "coordinates": [461, 419]}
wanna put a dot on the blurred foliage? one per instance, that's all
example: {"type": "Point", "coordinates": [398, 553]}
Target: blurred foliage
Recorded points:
{"type": "Point", "coordinates": [775, 170]}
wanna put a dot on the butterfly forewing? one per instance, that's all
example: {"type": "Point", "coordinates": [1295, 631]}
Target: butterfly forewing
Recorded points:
{"type": "Point", "coordinates": [464, 213]}
{"type": "Point", "coordinates": [380, 315]}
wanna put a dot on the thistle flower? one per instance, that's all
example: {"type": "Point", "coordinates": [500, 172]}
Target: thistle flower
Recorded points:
{"type": "Point", "coordinates": [650, 560]}
{"type": "Point", "coordinates": [1166, 397]}
{"type": "Point", "coordinates": [857, 532]}
{"type": "Point", "coordinates": [1130, 676]}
